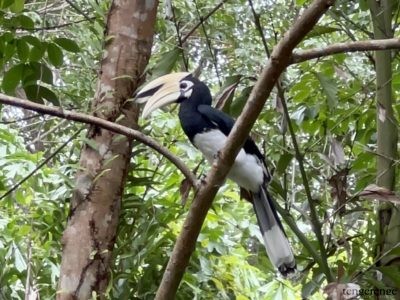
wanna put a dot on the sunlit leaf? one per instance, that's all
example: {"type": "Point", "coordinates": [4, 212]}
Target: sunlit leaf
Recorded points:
{"type": "Point", "coordinates": [18, 6]}
{"type": "Point", "coordinates": [166, 63]}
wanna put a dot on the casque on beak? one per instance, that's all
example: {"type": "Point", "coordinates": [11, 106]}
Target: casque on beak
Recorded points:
{"type": "Point", "coordinates": [160, 92]}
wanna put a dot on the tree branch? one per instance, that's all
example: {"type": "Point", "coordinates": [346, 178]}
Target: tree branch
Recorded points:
{"type": "Point", "coordinates": [202, 20]}
{"type": "Point", "coordinates": [376, 45]}
{"type": "Point", "coordinates": [279, 60]}
{"type": "Point", "coordinates": [114, 127]}
{"type": "Point", "coordinates": [257, 23]}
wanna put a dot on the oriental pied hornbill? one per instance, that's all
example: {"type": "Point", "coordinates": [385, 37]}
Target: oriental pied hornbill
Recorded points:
{"type": "Point", "coordinates": [207, 129]}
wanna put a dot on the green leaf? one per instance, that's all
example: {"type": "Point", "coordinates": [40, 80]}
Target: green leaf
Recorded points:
{"type": "Point", "coordinates": [239, 102]}
{"type": "Point", "coordinates": [37, 52]}
{"type": "Point", "coordinates": [32, 40]}
{"type": "Point", "coordinates": [11, 78]}
{"type": "Point", "coordinates": [18, 6]}
{"type": "Point", "coordinates": [6, 3]}
{"type": "Point", "coordinates": [394, 251]}
{"type": "Point", "coordinates": [35, 71]}
{"type": "Point", "coordinates": [355, 261]}
{"type": "Point", "coordinates": [9, 50]}
{"type": "Point", "coordinates": [330, 88]}
{"type": "Point", "coordinates": [26, 22]}
{"type": "Point", "coordinates": [19, 259]}
{"type": "Point", "coordinates": [391, 272]}
{"type": "Point", "coordinates": [363, 4]}
{"type": "Point", "coordinates": [283, 162]}
{"type": "Point", "coordinates": [38, 93]}
{"type": "Point", "coordinates": [67, 44]}
{"type": "Point", "coordinates": [300, 2]}
{"type": "Point", "coordinates": [165, 64]}
{"type": "Point", "coordinates": [22, 50]}
{"type": "Point", "coordinates": [225, 95]}
{"type": "Point", "coordinates": [55, 54]}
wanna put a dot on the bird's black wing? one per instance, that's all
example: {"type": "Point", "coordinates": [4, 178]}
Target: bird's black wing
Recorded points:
{"type": "Point", "coordinates": [275, 240]}
{"type": "Point", "coordinates": [225, 122]}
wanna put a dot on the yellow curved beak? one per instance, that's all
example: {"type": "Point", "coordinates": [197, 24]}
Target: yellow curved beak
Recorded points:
{"type": "Point", "coordinates": [160, 92]}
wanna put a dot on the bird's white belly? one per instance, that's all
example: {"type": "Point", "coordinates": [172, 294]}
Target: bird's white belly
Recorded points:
{"type": "Point", "coordinates": [246, 171]}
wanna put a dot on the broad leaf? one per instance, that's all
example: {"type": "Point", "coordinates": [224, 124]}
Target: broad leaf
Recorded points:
{"type": "Point", "coordinates": [55, 54]}
{"type": "Point", "coordinates": [11, 78]}
{"type": "Point", "coordinates": [67, 44]}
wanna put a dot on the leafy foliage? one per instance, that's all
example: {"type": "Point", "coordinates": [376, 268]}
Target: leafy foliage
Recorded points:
{"type": "Point", "coordinates": [331, 106]}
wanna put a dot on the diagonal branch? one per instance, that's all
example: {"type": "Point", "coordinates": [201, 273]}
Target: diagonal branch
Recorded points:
{"type": "Point", "coordinates": [114, 127]}
{"type": "Point", "coordinates": [279, 60]}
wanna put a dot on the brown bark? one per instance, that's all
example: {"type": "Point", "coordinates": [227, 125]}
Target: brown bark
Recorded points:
{"type": "Point", "coordinates": [89, 237]}
{"type": "Point", "coordinates": [378, 45]}
{"type": "Point", "coordinates": [279, 60]}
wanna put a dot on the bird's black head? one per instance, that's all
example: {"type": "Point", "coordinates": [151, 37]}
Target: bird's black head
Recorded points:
{"type": "Point", "coordinates": [180, 88]}
{"type": "Point", "coordinates": [194, 91]}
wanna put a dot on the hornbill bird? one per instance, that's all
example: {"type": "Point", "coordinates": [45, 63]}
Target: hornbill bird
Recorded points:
{"type": "Point", "coordinates": [208, 128]}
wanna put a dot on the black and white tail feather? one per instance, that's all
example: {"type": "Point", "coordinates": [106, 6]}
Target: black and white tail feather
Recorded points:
{"type": "Point", "coordinates": [275, 240]}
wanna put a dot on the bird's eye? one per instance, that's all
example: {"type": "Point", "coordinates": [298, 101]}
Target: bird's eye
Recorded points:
{"type": "Point", "coordinates": [183, 85]}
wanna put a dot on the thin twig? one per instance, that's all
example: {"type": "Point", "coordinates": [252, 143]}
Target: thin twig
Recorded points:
{"type": "Point", "coordinates": [259, 28]}
{"type": "Point", "coordinates": [40, 136]}
{"type": "Point", "coordinates": [54, 27]}
{"type": "Point", "coordinates": [114, 127]}
{"type": "Point", "coordinates": [39, 166]}
{"type": "Point", "coordinates": [208, 42]}
{"type": "Point", "coordinates": [317, 226]}
{"type": "Point", "coordinates": [356, 26]}
{"type": "Point", "coordinates": [21, 120]}
{"type": "Point", "coordinates": [203, 19]}
{"type": "Point", "coordinates": [72, 4]}
{"type": "Point", "coordinates": [180, 43]}
{"type": "Point", "coordinates": [373, 264]}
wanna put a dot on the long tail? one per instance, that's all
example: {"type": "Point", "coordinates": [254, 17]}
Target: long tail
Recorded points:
{"type": "Point", "coordinates": [275, 240]}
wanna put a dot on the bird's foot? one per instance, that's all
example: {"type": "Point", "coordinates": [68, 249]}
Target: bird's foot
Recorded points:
{"type": "Point", "coordinates": [202, 181]}
{"type": "Point", "coordinates": [217, 155]}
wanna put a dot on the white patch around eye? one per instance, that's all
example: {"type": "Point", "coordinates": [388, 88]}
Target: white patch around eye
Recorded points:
{"type": "Point", "coordinates": [188, 93]}
{"type": "Point", "coordinates": [186, 88]}
{"type": "Point", "coordinates": [185, 85]}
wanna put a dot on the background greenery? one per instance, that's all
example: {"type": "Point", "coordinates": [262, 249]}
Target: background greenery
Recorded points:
{"type": "Point", "coordinates": [50, 52]}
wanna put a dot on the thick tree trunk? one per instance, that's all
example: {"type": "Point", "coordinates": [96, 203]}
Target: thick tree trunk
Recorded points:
{"type": "Point", "coordinates": [388, 215]}
{"type": "Point", "coordinates": [89, 237]}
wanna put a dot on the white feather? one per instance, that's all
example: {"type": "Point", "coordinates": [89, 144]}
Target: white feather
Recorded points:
{"type": "Point", "coordinates": [247, 170]}
{"type": "Point", "coordinates": [277, 246]}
